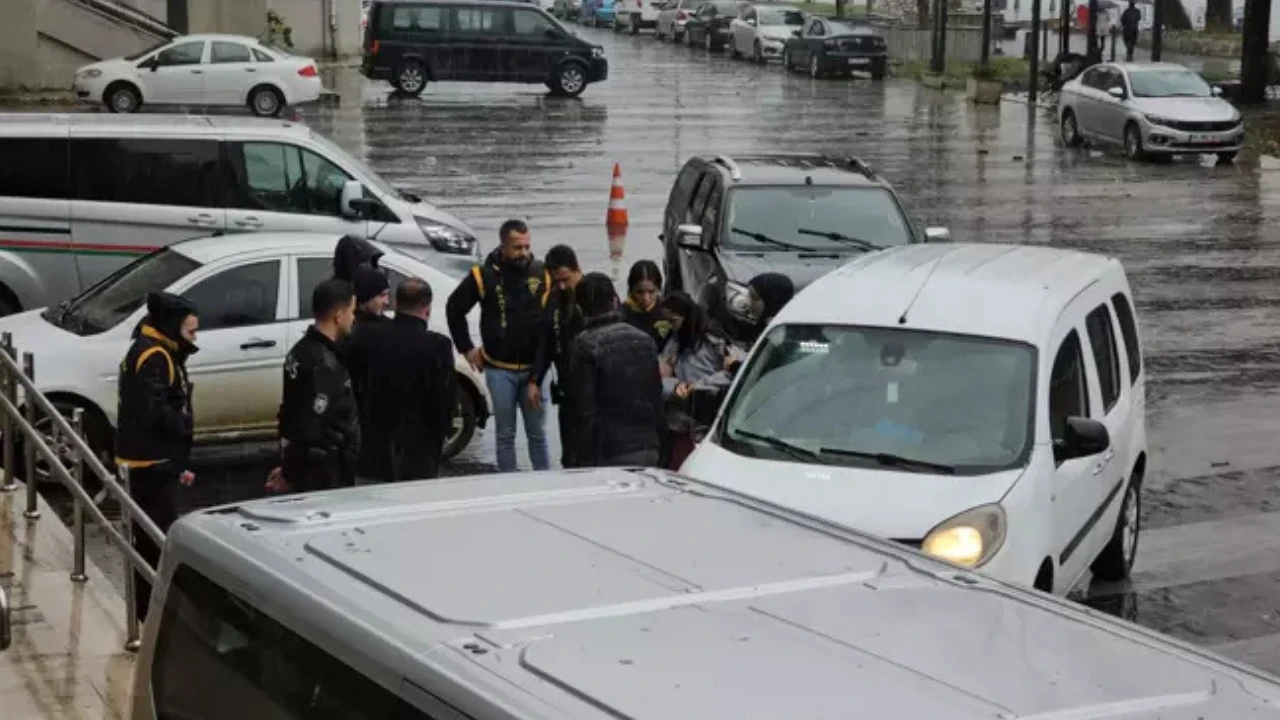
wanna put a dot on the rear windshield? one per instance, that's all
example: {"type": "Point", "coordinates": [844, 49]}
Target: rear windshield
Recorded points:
{"type": "Point", "coordinates": [727, 9]}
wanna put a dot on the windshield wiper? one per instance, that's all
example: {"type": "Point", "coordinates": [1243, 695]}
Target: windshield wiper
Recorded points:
{"type": "Point", "coordinates": [761, 237]}
{"type": "Point", "coordinates": [60, 313]}
{"type": "Point", "coordinates": [839, 237]}
{"type": "Point", "coordinates": [778, 444]}
{"type": "Point", "coordinates": [891, 460]}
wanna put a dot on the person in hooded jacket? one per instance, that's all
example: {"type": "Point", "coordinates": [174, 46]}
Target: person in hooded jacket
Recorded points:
{"type": "Point", "coordinates": [641, 309]}
{"type": "Point", "coordinates": [351, 252]}
{"type": "Point", "coordinates": [768, 292]}
{"type": "Point", "coordinates": [561, 322]}
{"type": "Point", "coordinates": [154, 420]}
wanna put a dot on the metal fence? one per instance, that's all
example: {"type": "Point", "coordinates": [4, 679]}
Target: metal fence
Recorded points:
{"type": "Point", "coordinates": [22, 409]}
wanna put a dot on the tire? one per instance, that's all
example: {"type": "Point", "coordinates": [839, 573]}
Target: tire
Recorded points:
{"type": "Point", "coordinates": [688, 39]}
{"type": "Point", "coordinates": [757, 53]}
{"type": "Point", "coordinates": [815, 67]}
{"type": "Point", "coordinates": [266, 101]}
{"type": "Point", "coordinates": [1069, 131]}
{"type": "Point", "coordinates": [1133, 143]}
{"type": "Point", "coordinates": [733, 49]}
{"type": "Point", "coordinates": [1226, 157]}
{"type": "Point", "coordinates": [97, 432]}
{"type": "Point", "coordinates": [617, 29]}
{"type": "Point", "coordinates": [635, 24]}
{"type": "Point", "coordinates": [1115, 562]}
{"type": "Point", "coordinates": [878, 71]}
{"type": "Point", "coordinates": [709, 43]}
{"type": "Point", "coordinates": [411, 78]}
{"type": "Point", "coordinates": [464, 421]}
{"type": "Point", "coordinates": [122, 97]}
{"type": "Point", "coordinates": [676, 36]}
{"type": "Point", "coordinates": [570, 80]}
{"type": "Point", "coordinates": [786, 61]}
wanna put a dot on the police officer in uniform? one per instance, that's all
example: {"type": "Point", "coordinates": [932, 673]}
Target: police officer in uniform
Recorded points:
{"type": "Point", "coordinates": [319, 426]}
{"type": "Point", "coordinates": [562, 321]}
{"type": "Point", "coordinates": [511, 289]}
{"type": "Point", "coordinates": [153, 438]}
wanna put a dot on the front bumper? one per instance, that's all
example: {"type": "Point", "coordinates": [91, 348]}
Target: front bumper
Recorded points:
{"type": "Point", "coordinates": [598, 70]}
{"type": "Point", "coordinates": [1158, 139]}
{"type": "Point", "coordinates": [771, 48]}
{"type": "Point", "coordinates": [87, 91]}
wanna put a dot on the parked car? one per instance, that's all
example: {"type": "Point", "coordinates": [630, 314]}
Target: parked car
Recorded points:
{"type": "Point", "coordinates": [730, 219]}
{"type": "Point", "coordinates": [672, 17]}
{"type": "Point", "coordinates": [636, 15]}
{"type": "Point", "coordinates": [202, 70]}
{"type": "Point", "coordinates": [829, 46]}
{"type": "Point", "coordinates": [410, 44]}
{"type": "Point", "coordinates": [596, 13]}
{"type": "Point", "coordinates": [984, 403]}
{"type": "Point", "coordinates": [762, 30]}
{"type": "Point", "coordinates": [566, 9]}
{"type": "Point", "coordinates": [1149, 109]}
{"type": "Point", "coordinates": [709, 27]}
{"type": "Point", "coordinates": [84, 193]}
{"type": "Point", "coordinates": [254, 295]}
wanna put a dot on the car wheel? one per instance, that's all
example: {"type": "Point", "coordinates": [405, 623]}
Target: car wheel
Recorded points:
{"type": "Point", "coordinates": [97, 433]}
{"type": "Point", "coordinates": [815, 67]}
{"type": "Point", "coordinates": [122, 97]}
{"type": "Point", "coordinates": [464, 422]}
{"type": "Point", "coordinates": [757, 53]}
{"type": "Point", "coordinates": [786, 60]}
{"type": "Point", "coordinates": [1133, 142]}
{"type": "Point", "coordinates": [1070, 131]}
{"type": "Point", "coordinates": [570, 80]}
{"type": "Point", "coordinates": [266, 101]}
{"type": "Point", "coordinates": [878, 71]}
{"type": "Point", "coordinates": [635, 24]}
{"type": "Point", "coordinates": [411, 78]}
{"type": "Point", "coordinates": [733, 49]}
{"type": "Point", "coordinates": [1115, 562]}
{"type": "Point", "coordinates": [1226, 157]}
{"type": "Point", "coordinates": [617, 27]}
{"type": "Point", "coordinates": [676, 35]}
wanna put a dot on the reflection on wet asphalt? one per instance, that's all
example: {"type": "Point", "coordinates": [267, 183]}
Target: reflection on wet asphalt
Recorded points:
{"type": "Point", "coordinates": [1197, 240]}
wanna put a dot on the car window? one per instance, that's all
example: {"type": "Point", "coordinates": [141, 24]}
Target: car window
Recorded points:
{"type": "Point", "coordinates": [218, 656]}
{"type": "Point", "coordinates": [682, 192]}
{"type": "Point", "coordinates": [148, 171]}
{"type": "Point", "coordinates": [286, 178]}
{"type": "Point", "coordinates": [239, 296]}
{"type": "Point", "coordinates": [1068, 387]}
{"type": "Point", "coordinates": [225, 52]}
{"type": "Point", "coordinates": [528, 23]}
{"type": "Point", "coordinates": [109, 301]}
{"type": "Point", "coordinates": [477, 20]}
{"type": "Point", "coordinates": [261, 56]}
{"type": "Point", "coordinates": [408, 18]}
{"type": "Point", "coordinates": [35, 168]}
{"type": "Point", "coordinates": [1128, 329]}
{"type": "Point", "coordinates": [313, 271]}
{"type": "Point", "coordinates": [1102, 340]}
{"type": "Point", "coordinates": [1091, 77]}
{"type": "Point", "coordinates": [190, 53]}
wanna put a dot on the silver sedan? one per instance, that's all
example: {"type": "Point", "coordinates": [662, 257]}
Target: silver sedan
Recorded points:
{"type": "Point", "coordinates": [1149, 109]}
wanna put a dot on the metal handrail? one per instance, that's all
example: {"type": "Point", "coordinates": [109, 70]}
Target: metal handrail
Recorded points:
{"type": "Point", "coordinates": [24, 418]}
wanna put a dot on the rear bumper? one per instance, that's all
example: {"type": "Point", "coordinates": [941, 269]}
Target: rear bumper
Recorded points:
{"type": "Point", "coordinates": [372, 69]}
{"type": "Point", "coordinates": [855, 62]}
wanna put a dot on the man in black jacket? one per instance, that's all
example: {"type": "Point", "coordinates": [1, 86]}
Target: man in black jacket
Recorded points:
{"type": "Point", "coordinates": [153, 438]}
{"type": "Point", "coordinates": [406, 403]}
{"type": "Point", "coordinates": [512, 289]}
{"type": "Point", "coordinates": [561, 322]}
{"type": "Point", "coordinates": [614, 388]}
{"type": "Point", "coordinates": [319, 426]}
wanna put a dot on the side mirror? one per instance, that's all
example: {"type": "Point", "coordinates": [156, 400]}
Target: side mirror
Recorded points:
{"type": "Point", "coordinates": [1082, 437]}
{"type": "Point", "coordinates": [1116, 92]}
{"type": "Point", "coordinates": [352, 192]}
{"type": "Point", "coordinates": [704, 405]}
{"type": "Point", "coordinates": [689, 237]}
{"type": "Point", "coordinates": [6, 627]}
{"type": "Point", "coordinates": [937, 235]}
{"type": "Point", "coordinates": [1216, 90]}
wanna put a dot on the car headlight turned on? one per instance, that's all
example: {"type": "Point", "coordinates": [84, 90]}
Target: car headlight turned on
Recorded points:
{"type": "Point", "coordinates": [737, 300]}
{"type": "Point", "coordinates": [969, 539]}
{"type": "Point", "coordinates": [447, 239]}
{"type": "Point", "coordinates": [89, 74]}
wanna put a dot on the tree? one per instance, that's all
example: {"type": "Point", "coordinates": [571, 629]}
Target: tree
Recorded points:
{"type": "Point", "coordinates": [1255, 60]}
{"type": "Point", "coordinates": [1218, 15]}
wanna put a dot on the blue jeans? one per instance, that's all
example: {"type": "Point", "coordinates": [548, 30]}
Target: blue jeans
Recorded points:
{"type": "Point", "coordinates": [507, 390]}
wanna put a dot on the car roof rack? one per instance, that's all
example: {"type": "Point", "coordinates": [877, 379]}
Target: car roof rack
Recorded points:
{"type": "Point", "coordinates": [735, 173]}
{"type": "Point", "coordinates": [862, 167]}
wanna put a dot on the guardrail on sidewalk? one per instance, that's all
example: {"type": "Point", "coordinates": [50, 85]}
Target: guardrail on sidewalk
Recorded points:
{"type": "Point", "coordinates": [22, 413]}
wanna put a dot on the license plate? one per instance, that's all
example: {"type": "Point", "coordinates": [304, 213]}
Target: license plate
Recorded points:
{"type": "Point", "coordinates": [1202, 138]}
{"type": "Point", "coordinates": [859, 61]}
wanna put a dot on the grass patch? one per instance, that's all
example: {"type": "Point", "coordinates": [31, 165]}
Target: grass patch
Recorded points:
{"type": "Point", "coordinates": [1262, 133]}
{"type": "Point", "coordinates": [1008, 70]}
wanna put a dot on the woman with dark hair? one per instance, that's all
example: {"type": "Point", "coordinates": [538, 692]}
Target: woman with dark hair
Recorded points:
{"type": "Point", "coordinates": [769, 293]}
{"type": "Point", "coordinates": [695, 357]}
{"type": "Point", "coordinates": [641, 311]}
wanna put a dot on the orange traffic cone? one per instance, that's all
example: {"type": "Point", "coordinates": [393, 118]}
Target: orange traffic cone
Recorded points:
{"type": "Point", "coordinates": [617, 215]}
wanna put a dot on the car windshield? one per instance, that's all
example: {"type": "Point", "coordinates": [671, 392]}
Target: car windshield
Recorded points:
{"type": "Point", "coordinates": [814, 217]}
{"type": "Point", "coordinates": [142, 53]}
{"type": "Point", "coordinates": [775, 16]}
{"type": "Point", "coordinates": [115, 297]}
{"type": "Point", "coordinates": [1168, 83]}
{"type": "Point", "coordinates": [884, 398]}
{"type": "Point", "coordinates": [366, 171]}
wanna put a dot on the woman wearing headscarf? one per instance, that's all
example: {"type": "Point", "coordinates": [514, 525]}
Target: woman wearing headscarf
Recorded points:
{"type": "Point", "coordinates": [641, 309]}
{"type": "Point", "coordinates": [769, 293]}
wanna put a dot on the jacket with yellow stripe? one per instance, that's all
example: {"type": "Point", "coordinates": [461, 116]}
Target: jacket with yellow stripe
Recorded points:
{"type": "Point", "coordinates": [154, 411]}
{"type": "Point", "coordinates": [511, 317]}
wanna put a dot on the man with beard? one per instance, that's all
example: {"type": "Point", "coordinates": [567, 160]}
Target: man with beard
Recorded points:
{"type": "Point", "coordinates": [512, 289]}
{"type": "Point", "coordinates": [153, 438]}
{"type": "Point", "coordinates": [319, 426]}
{"type": "Point", "coordinates": [562, 321]}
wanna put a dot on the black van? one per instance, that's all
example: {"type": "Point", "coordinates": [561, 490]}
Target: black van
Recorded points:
{"type": "Point", "coordinates": [412, 42]}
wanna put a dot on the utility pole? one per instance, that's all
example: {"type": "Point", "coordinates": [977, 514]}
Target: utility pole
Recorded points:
{"type": "Point", "coordinates": [1253, 51]}
{"type": "Point", "coordinates": [1157, 28]}
{"type": "Point", "coordinates": [1064, 28]}
{"type": "Point", "coordinates": [1034, 52]}
{"type": "Point", "coordinates": [1091, 43]}
{"type": "Point", "coordinates": [986, 34]}
{"type": "Point", "coordinates": [938, 63]}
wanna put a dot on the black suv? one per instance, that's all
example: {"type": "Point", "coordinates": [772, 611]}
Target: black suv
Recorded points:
{"type": "Point", "coordinates": [411, 43]}
{"type": "Point", "coordinates": [731, 219]}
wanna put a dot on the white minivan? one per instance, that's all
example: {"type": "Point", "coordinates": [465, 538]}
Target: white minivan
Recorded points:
{"type": "Point", "coordinates": [983, 403]}
{"type": "Point", "coordinates": [81, 195]}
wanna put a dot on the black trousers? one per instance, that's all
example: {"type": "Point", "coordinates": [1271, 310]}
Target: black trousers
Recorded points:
{"type": "Point", "coordinates": [154, 489]}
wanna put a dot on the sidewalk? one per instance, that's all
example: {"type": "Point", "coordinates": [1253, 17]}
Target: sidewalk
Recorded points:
{"type": "Point", "coordinates": [67, 661]}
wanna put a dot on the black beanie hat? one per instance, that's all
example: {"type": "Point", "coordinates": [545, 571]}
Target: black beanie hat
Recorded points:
{"type": "Point", "coordinates": [369, 284]}
{"type": "Point", "coordinates": [166, 311]}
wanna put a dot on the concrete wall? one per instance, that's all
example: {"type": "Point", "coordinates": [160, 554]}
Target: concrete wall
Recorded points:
{"type": "Point", "coordinates": [43, 42]}
{"type": "Point", "coordinates": [963, 44]}
{"type": "Point", "coordinates": [157, 9]}
{"type": "Point", "coordinates": [239, 17]}
{"type": "Point", "coordinates": [18, 44]}
{"type": "Point", "coordinates": [309, 20]}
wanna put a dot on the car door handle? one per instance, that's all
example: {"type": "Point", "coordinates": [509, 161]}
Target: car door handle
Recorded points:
{"type": "Point", "coordinates": [197, 72]}
{"type": "Point", "coordinates": [257, 344]}
{"type": "Point", "coordinates": [202, 219]}
{"type": "Point", "coordinates": [251, 69]}
{"type": "Point", "coordinates": [250, 222]}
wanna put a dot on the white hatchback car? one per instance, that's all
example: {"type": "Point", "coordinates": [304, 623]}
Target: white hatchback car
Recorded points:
{"type": "Point", "coordinates": [983, 403]}
{"type": "Point", "coordinates": [205, 71]}
{"type": "Point", "coordinates": [254, 295]}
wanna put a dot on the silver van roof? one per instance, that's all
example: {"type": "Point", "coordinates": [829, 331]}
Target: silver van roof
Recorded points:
{"type": "Point", "coordinates": [640, 594]}
{"type": "Point", "coordinates": [141, 125]}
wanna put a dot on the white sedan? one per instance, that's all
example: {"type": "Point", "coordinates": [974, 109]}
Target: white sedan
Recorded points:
{"type": "Point", "coordinates": [254, 296]}
{"type": "Point", "coordinates": [202, 70]}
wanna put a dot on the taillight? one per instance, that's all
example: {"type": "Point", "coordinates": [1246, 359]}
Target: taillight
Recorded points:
{"type": "Point", "coordinates": [308, 71]}
{"type": "Point", "coordinates": [373, 47]}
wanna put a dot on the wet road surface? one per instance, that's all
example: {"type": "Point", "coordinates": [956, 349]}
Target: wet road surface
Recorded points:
{"type": "Point", "coordinates": [1198, 240]}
